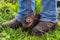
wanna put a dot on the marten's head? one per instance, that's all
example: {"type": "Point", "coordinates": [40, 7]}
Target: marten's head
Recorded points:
{"type": "Point", "coordinates": [30, 20]}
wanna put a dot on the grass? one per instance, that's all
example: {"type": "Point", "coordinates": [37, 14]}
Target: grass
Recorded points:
{"type": "Point", "coordinates": [12, 34]}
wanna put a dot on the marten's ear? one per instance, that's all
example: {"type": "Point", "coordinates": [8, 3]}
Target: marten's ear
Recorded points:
{"type": "Point", "coordinates": [32, 19]}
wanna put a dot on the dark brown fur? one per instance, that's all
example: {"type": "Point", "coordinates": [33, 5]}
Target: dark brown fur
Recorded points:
{"type": "Point", "coordinates": [30, 20]}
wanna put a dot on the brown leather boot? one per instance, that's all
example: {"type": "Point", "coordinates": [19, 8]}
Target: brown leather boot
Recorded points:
{"type": "Point", "coordinates": [12, 23]}
{"type": "Point", "coordinates": [42, 27]}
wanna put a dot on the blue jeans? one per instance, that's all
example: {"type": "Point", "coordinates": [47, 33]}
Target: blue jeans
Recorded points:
{"type": "Point", "coordinates": [48, 13]}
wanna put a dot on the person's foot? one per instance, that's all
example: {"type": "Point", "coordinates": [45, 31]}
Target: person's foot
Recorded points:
{"type": "Point", "coordinates": [12, 23]}
{"type": "Point", "coordinates": [42, 27]}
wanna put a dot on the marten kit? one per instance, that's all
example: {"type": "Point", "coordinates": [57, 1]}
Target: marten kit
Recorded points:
{"type": "Point", "coordinates": [30, 20]}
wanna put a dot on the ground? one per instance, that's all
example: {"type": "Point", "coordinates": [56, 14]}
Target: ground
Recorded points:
{"type": "Point", "coordinates": [7, 13]}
